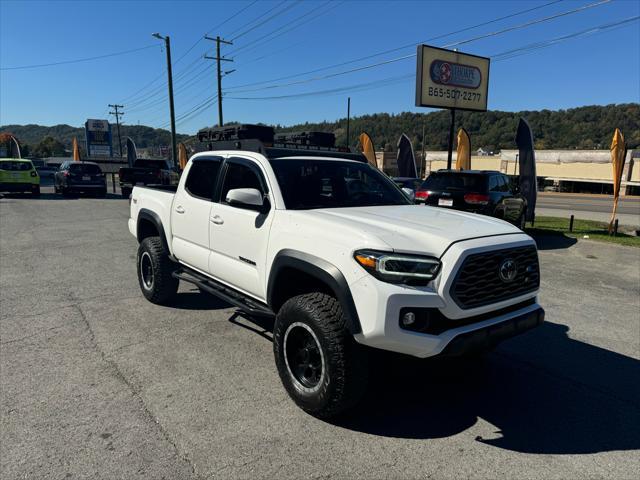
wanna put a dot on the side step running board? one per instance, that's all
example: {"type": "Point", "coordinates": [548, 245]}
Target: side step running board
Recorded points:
{"type": "Point", "coordinates": [228, 294]}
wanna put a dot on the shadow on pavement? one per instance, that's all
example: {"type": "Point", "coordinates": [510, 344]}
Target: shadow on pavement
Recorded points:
{"type": "Point", "coordinates": [194, 300]}
{"type": "Point", "coordinates": [556, 395]}
{"type": "Point", "coordinates": [561, 396]}
{"type": "Point", "coordinates": [56, 196]}
{"type": "Point", "coordinates": [551, 241]}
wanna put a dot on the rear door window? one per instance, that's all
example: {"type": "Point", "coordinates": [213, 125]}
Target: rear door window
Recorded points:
{"type": "Point", "coordinates": [202, 178]}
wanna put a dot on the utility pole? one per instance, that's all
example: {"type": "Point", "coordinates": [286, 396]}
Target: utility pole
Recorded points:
{"type": "Point", "coordinates": [117, 115]}
{"type": "Point", "coordinates": [348, 119]}
{"type": "Point", "coordinates": [452, 126]}
{"type": "Point", "coordinates": [219, 59]}
{"type": "Point", "coordinates": [174, 147]}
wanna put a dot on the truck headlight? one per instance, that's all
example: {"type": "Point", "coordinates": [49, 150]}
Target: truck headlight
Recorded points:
{"type": "Point", "coordinates": [398, 267]}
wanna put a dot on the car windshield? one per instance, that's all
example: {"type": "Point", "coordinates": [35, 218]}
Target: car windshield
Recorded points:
{"type": "Point", "coordinates": [86, 168]}
{"type": "Point", "coordinates": [307, 184]}
{"type": "Point", "coordinates": [439, 181]}
{"type": "Point", "coordinates": [15, 166]}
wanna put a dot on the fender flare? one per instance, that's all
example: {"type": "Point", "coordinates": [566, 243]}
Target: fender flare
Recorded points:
{"type": "Point", "coordinates": [322, 270]}
{"type": "Point", "coordinates": [148, 215]}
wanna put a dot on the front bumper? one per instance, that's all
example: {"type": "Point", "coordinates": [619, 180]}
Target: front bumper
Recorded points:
{"type": "Point", "coordinates": [491, 335]}
{"type": "Point", "coordinates": [379, 307]}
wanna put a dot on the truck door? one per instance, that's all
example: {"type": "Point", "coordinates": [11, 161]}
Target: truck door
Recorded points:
{"type": "Point", "coordinates": [239, 236]}
{"type": "Point", "coordinates": [190, 214]}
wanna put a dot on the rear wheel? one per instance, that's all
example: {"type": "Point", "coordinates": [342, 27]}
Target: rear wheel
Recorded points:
{"type": "Point", "coordinates": [35, 191]}
{"type": "Point", "coordinates": [155, 272]}
{"type": "Point", "coordinates": [321, 366]}
{"type": "Point", "coordinates": [521, 222]}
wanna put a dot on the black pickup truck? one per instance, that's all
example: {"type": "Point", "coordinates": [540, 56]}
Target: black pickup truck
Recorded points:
{"type": "Point", "coordinates": [146, 172]}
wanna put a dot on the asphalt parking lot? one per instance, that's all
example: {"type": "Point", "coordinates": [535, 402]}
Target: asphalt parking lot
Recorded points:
{"type": "Point", "coordinates": [98, 383]}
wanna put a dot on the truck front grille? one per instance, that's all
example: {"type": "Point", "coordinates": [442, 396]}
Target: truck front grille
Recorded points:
{"type": "Point", "coordinates": [478, 282]}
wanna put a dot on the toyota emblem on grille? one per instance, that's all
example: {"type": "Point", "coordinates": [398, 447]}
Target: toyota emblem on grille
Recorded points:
{"type": "Point", "coordinates": [508, 270]}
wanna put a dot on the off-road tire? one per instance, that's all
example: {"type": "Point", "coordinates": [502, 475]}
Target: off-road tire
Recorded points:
{"type": "Point", "coordinates": [162, 286]}
{"type": "Point", "coordinates": [345, 366]}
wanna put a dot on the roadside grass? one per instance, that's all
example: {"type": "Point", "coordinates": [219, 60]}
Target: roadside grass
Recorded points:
{"type": "Point", "coordinates": [595, 230]}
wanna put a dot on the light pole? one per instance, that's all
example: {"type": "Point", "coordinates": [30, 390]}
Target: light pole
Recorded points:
{"type": "Point", "coordinates": [174, 148]}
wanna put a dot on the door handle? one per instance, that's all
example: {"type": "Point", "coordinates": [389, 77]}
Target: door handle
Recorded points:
{"type": "Point", "coordinates": [179, 209]}
{"type": "Point", "coordinates": [217, 219]}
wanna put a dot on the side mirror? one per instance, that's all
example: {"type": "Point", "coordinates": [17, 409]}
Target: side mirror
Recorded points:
{"type": "Point", "coordinates": [249, 198]}
{"type": "Point", "coordinates": [409, 193]}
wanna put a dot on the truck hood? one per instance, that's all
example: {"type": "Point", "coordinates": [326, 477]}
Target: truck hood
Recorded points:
{"type": "Point", "coordinates": [416, 228]}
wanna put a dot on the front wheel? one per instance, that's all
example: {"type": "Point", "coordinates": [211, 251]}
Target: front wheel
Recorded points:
{"type": "Point", "coordinates": [321, 366]}
{"type": "Point", "coordinates": [155, 272]}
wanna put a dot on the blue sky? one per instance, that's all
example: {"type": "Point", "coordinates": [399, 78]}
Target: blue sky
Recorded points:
{"type": "Point", "coordinates": [599, 68]}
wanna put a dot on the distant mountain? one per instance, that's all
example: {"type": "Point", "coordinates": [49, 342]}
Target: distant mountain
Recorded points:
{"type": "Point", "coordinates": [142, 136]}
{"type": "Point", "coordinates": [577, 128]}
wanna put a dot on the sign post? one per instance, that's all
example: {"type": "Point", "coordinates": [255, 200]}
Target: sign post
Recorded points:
{"type": "Point", "coordinates": [452, 80]}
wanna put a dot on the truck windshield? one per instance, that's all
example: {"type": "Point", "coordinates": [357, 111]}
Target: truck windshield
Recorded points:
{"type": "Point", "coordinates": [308, 184]}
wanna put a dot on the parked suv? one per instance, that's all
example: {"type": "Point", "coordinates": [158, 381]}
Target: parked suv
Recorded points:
{"type": "Point", "coordinates": [19, 175]}
{"type": "Point", "coordinates": [477, 191]}
{"type": "Point", "coordinates": [74, 177]}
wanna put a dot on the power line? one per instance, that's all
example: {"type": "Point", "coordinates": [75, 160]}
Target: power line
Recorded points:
{"type": "Point", "coordinates": [505, 55]}
{"type": "Point", "coordinates": [79, 60]}
{"type": "Point", "coordinates": [268, 19]}
{"type": "Point", "coordinates": [243, 9]}
{"type": "Point", "coordinates": [295, 22]}
{"type": "Point", "coordinates": [386, 62]}
{"type": "Point", "coordinates": [404, 47]}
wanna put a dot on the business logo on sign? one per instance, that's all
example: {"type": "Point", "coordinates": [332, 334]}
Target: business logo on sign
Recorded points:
{"type": "Point", "coordinates": [455, 74]}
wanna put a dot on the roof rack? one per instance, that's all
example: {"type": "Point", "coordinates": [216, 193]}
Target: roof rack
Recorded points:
{"type": "Point", "coordinates": [260, 139]}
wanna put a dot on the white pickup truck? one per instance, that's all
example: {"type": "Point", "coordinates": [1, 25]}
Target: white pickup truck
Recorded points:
{"type": "Point", "coordinates": [342, 259]}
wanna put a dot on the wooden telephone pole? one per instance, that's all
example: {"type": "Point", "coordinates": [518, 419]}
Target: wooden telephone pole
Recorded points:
{"type": "Point", "coordinates": [219, 59]}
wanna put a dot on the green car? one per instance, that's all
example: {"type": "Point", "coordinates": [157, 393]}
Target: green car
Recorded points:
{"type": "Point", "coordinates": [18, 175]}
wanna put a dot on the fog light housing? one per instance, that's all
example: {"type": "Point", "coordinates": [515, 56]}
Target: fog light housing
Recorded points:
{"type": "Point", "coordinates": [408, 319]}
{"type": "Point", "coordinates": [417, 319]}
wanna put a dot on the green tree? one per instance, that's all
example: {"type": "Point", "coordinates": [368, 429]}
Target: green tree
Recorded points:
{"type": "Point", "coordinates": [49, 147]}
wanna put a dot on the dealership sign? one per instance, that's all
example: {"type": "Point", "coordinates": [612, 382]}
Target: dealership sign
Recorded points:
{"type": "Point", "coordinates": [98, 133]}
{"type": "Point", "coordinates": [449, 79]}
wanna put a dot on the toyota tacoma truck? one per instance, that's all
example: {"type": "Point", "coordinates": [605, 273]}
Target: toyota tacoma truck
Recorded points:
{"type": "Point", "coordinates": [340, 257]}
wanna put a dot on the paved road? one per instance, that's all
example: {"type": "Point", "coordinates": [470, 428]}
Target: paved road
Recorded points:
{"type": "Point", "coordinates": [98, 383]}
{"type": "Point", "coordinates": [589, 207]}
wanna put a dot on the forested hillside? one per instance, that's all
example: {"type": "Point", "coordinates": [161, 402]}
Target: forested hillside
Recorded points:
{"type": "Point", "coordinates": [578, 128]}
{"type": "Point", "coordinates": [33, 135]}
